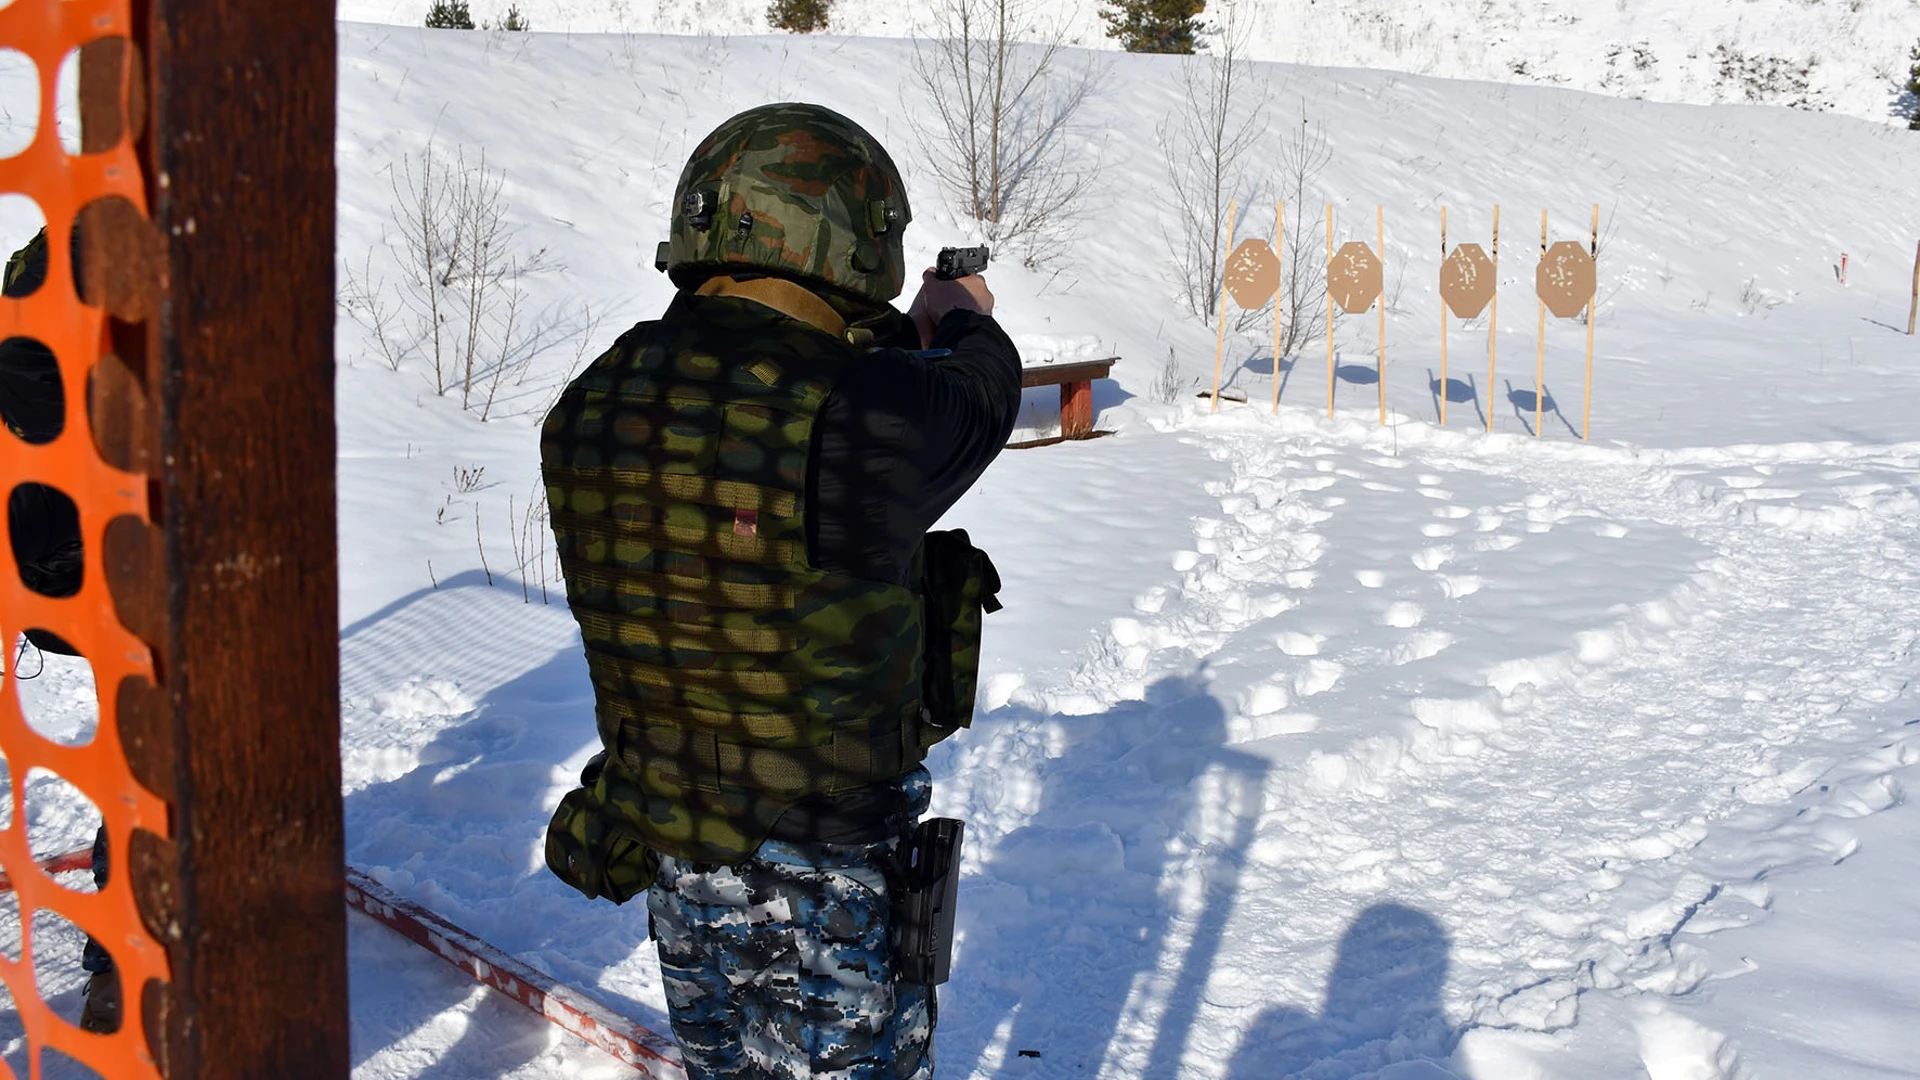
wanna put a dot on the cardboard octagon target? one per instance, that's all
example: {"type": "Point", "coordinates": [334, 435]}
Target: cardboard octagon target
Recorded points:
{"type": "Point", "coordinates": [1466, 280]}
{"type": "Point", "coordinates": [1253, 273]}
{"type": "Point", "coordinates": [1565, 280]}
{"type": "Point", "coordinates": [1354, 277]}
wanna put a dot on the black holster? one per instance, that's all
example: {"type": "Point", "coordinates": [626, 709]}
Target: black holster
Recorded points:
{"type": "Point", "coordinates": [924, 906]}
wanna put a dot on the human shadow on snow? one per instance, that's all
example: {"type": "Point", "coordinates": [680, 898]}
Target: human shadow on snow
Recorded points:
{"type": "Point", "coordinates": [1382, 1008]}
{"type": "Point", "coordinates": [1077, 911]}
{"type": "Point", "coordinates": [462, 831]}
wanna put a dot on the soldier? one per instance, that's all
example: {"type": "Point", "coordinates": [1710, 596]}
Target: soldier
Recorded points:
{"type": "Point", "coordinates": [44, 529]}
{"type": "Point", "coordinates": [741, 492]}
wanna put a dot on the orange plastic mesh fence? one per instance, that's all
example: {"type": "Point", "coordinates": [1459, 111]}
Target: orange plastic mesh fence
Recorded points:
{"type": "Point", "coordinates": [48, 33]}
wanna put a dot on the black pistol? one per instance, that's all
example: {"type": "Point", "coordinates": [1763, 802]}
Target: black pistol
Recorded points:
{"type": "Point", "coordinates": [930, 867]}
{"type": "Point", "coordinates": [960, 262]}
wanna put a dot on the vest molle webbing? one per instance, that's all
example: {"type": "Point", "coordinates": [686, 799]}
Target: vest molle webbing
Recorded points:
{"type": "Point", "coordinates": [732, 679]}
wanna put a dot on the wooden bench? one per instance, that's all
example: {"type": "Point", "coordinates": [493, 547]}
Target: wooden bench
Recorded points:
{"type": "Point", "coordinates": [1075, 381]}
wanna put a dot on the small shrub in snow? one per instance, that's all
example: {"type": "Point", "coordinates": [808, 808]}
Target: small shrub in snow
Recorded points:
{"type": "Point", "coordinates": [1755, 300]}
{"type": "Point", "coordinates": [450, 15]}
{"type": "Point", "coordinates": [1166, 383]}
{"type": "Point", "coordinates": [513, 20]}
{"type": "Point", "coordinates": [799, 16]}
{"type": "Point", "coordinates": [1154, 26]}
{"type": "Point", "coordinates": [1772, 80]}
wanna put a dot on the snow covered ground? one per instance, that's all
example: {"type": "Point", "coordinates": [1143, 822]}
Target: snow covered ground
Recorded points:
{"type": "Point", "coordinates": [1847, 56]}
{"type": "Point", "coordinates": [1310, 747]}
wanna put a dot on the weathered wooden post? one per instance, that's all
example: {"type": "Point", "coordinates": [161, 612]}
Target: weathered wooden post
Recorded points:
{"type": "Point", "coordinates": [1913, 309]}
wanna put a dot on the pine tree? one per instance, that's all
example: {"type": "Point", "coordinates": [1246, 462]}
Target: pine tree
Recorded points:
{"type": "Point", "coordinates": [1154, 26]}
{"type": "Point", "coordinates": [1913, 89]}
{"type": "Point", "coordinates": [450, 15]}
{"type": "Point", "coordinates": [799, 16]}
{"type": "Point", "coordinates": [513, 20]}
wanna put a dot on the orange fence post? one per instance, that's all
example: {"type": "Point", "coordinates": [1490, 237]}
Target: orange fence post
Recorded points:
{"type": "Point", "coordinates": [198, 454]}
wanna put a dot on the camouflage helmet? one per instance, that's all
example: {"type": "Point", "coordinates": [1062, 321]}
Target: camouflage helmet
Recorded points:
{"type": "Point", "coordinates": [796, 188]}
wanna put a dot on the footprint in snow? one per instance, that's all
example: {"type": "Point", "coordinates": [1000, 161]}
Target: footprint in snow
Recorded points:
{"type": "Point", "coordinates": [1420, 645]}
{"type": "Point", "coordinates": [1318, 677]}
{"type": "Point", "coordinates": [1403, 614]}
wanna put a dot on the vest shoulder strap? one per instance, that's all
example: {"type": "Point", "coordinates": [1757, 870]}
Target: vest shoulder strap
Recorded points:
{"type": "Point", "coordinates": [782, 296]}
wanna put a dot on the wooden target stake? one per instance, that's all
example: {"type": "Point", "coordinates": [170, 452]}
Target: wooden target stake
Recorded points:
{"type": "Point", "coordinates": [1493, 318]}
{"type": "Point", "coordinates": [1380, 245]}
{"type": "Point", "coordinates": [1593, 248]}
{"type": "Point", "coordinates": [1914, 309]}
{"type": "Point", "coordinates": [1220, 341]}
{"type": "Point", "coordinates": [1279, 245]}
{"type": "Point", "coordinates": [1443, 323]}
{"type": "Point", "coordinates": [1540, 367]}
{"type": "Point", "coordinates": [1329, 311]}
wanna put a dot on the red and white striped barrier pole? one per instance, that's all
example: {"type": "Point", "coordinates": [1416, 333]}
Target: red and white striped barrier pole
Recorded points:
{"type": "Point", "coordinates": [653, 1056]}
{"type": "Point", "coordinates": [77, 859]}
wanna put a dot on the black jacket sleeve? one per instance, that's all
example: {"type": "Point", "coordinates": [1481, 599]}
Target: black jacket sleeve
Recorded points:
{"type": "Point", "coordinates": [901, 438]}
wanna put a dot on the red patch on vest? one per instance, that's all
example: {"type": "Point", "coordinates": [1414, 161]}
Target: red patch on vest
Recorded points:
{"type": "Point", "coordinates": [746, 523]}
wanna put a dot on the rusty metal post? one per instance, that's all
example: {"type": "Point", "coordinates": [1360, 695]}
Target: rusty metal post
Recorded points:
{"type": "Point", "coordinates": [248, 896]}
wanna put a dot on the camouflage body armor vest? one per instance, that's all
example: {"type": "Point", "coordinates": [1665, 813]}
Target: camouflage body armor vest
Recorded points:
{"type": "Point", "coordinates": [732, 679]}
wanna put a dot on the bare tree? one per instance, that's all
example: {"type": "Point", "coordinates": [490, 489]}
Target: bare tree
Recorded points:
{"type": "Point", "coordinates": [1221, 118]}
{"type": "Point", "coordinates": [461, 299]}
{"type": "Point", "coordinates": [1303, 266]}
{"type": "Point", "coordinates": [364, 296]}
{"type": "Point", "coordinates": [1000, 119]}
{"type": "Point", "coordinates": [430, 252]}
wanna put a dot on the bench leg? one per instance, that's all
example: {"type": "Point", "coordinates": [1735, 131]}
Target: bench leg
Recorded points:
{"type": "Point", "coordinates": [1076, 409]}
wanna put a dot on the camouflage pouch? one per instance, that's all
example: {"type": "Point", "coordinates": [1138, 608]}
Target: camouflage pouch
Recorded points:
{"type": "Point", "coordinates": [587, 848]}
{"type": "Point", "coordinates": [959, 585]}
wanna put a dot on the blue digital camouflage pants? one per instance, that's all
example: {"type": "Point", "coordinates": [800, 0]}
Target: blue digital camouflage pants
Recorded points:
{"type": "Point", "coordinates": [779, 967]}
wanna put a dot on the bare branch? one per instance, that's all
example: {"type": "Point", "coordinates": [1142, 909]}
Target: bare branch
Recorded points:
{"type": "Point", "coordinates": [1002, 118]}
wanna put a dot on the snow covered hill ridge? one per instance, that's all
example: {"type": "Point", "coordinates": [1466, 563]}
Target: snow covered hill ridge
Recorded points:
{"type": "Point", "coordinates": [1848, 56]}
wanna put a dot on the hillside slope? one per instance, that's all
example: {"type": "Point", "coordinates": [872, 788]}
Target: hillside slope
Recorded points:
{"type": "Point", "coordinates": [1846, 55]}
